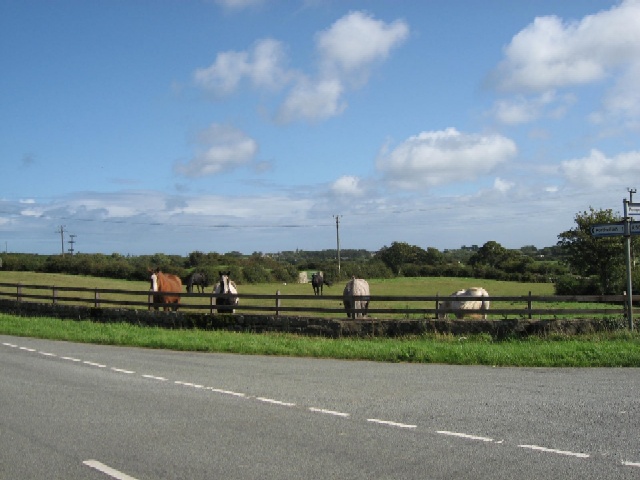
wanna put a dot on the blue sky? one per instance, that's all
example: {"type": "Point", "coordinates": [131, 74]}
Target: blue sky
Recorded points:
{"type": "Point", "coordinates": [146, 126]}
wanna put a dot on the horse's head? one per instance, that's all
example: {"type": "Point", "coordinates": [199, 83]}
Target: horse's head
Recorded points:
{"type": "Point", "coordinates": [224, 281]}
{"type": "Point", "coordinates": [154, 279]}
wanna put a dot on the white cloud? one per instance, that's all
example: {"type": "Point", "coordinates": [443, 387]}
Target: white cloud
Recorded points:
{"type": "Point", "coordinates": [264, 66]}
{"type": "Point", "coordinates": [347, 185]}
{"type": "Point", "coordinates": [598, 171]}
{"type": "Point", "coordinates": [238, 4]}
{"type": "Point", "coordinates": [439, 157]}
{"type": "Point", "coordinates": [502, 186]}
{"type": "Point", "coordinates": [220, 148]}
{"type": "Point", "coordinates": [347, 51]}
{"type": "Point", "coordinates": [313, 101]}
{"type": "Point", "coordinates": [356, 41]}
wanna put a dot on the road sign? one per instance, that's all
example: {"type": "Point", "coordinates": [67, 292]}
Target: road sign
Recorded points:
{"type": "Point", "coordinates": [633, 209]}
{"type": "Point", "coordinates": [614, 229]}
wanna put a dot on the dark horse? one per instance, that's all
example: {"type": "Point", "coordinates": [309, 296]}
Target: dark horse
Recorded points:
{"type": "Point", "coordinates": [199, 280]}
{"type": "Point", "coordinates": [317, 281]}
{"type": "Point", "coordinates": [165, 282]}
{"type": "Point", "coordinates": [227, 293]}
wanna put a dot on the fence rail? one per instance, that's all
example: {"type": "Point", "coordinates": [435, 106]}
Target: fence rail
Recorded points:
{"type": "Point", "coordinates": [502, 307]}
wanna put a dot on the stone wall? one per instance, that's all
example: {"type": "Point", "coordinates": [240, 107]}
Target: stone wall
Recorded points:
{"type": "Point", "coordinates": [326, 327]}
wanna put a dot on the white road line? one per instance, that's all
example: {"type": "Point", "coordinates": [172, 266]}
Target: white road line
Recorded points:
{"type": "Point", "coordinates": [28, 349]}
{"type": "Point", "coordinates": [329, 412]}
{"type": "Point", "coordinates": [553, 450]}
{"type": "Point", "coordinates": [71, 359]}
{"type": "Point", "coordinates": [153, 377]}
{"type": "Point", "coordinates": [47, 354]}
{"type": "Point", "coordinates": [392, 424]}
{"type": "Point", "coordinates": [275, 402]}
{"type": "Point", "coordinates": [9, 345]}
{"type": "Point", "coordinates": [93, 364]}
{"type": "Point", "coordinates": [631, 464]}
{"type": "Point", "coordinates": [112, 472]}
{"type": "Point", "coordinates": [227, 392]}
{"type": "Point", "coordinates": [120, 370]}
{"type": "Point", "coordinates": [465, 435]}
{"type": "Point", "coordinates": [187, 384]}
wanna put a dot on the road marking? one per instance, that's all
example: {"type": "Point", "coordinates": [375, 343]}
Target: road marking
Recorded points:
{"type": "Point", "coordinates": [553, 450]}
{"type": "Point", "coordinates": [107, 470]}
{"type": "Point", "coordinates": [275, 402]}
{"type": "Point", "coordinates": [153, 377]}
{"type": "Point", "coordinates": [93, 364]}
{"type": "Point", "coordinates": [187, 384]}
{"type": "Point", "coordinates": [227, 392]}
{"type": "Point", "coordinates": [392, 424]}
{"type": "Point", "coordinates": [120, 370]}
{"type": "Point", "coordinates": [47, 354]}
{"type": "Point", "coordinates": [28, 349]}
{"type": "Point", "coordinates": [71, 359]}
{"type": "Point", "coordinates": [10, 345]}
{"type": "Point", "coordinates": [329, 412]}
{"type": "Point", "coordinates": [465, 435]}
{"type": "Point", "coordinates": [631, 464]}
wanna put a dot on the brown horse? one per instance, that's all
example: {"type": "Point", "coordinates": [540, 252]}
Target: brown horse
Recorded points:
{"type": "Point", "coordinates": [166, 282]}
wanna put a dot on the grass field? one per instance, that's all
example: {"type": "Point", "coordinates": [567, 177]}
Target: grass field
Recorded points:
{"type": "Point", "coordinates": [613, 349]}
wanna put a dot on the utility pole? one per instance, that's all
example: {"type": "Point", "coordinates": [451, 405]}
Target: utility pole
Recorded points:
{"type": "Point", "coordinates": [337, 217]}
{"type": "Point", "coordinates": [627, 242]}
{"type": "Point", "coordinates": [71, 242]}
{"type": "Point", "coordinates": [61, 232]}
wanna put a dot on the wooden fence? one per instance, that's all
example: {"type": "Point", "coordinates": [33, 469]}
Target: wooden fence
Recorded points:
{"type": "Point", "coordinates": [502, 307]}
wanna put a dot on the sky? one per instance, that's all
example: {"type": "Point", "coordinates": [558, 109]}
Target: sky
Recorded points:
{"type": "Point", "coordinates": [173, 126]}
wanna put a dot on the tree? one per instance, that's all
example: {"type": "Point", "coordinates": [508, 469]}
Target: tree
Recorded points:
{"type": "Point", "coordinates": [602, 257]}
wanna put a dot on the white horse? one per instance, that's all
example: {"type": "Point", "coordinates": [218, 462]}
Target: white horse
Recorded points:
{"type": "Point", "coordinates": [454, 304]}
{"type": "Point", "coordinates": [356, 287]}
{"type": "Point", "coordinates": [228, 292]}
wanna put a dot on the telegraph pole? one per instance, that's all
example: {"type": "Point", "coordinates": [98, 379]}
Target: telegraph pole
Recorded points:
{"type": "Point", "coordinates": [337, 217]}
{"type": "Point", "coordinates": [61, 232]}
{"type": "Point", "coordinates": [71, 242]}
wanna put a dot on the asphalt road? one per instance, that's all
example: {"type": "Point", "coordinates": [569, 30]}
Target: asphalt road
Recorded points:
{"type": "Point", "coordinates": [72, 411]}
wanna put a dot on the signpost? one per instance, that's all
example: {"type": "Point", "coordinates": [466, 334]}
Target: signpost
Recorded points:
{"type": "Point", "coordinates": [625, 228]}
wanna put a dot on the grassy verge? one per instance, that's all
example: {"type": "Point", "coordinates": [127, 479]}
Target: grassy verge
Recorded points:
{"type": "Point", "coordinates": [617, 349]}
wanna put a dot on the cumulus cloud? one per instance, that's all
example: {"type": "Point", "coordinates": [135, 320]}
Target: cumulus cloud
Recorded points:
{"type": "Point", "coordinates": [599, 171]}
{"type": "Point", "coordinates": [265, 66]}
{"type": "Point", "coordinates": [346, 51]}
{"type": "Point", "coordinates": [347, 185]}
{"type": "Point", "coordinates": [220, 148]}
{"type": "Point", "coordinates": [440, 157]}
{"type": "Point", "coordinates": [550, 54]}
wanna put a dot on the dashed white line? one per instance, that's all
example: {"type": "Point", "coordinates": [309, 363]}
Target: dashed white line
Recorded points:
{"type": "Point", "coordinates": [390, 423]}
{"type": "Point", "coordinates": [465, 435]}
{"type": "Point", "coordinates": [9, 345]}
{"type": "Point", "coordinates": [153, 377]}
{"type": "Point", "coordinates": [227, 392]}
{"type": "Point", "coordinates": [72, 359]}
{"type": "Point", "coordinates": [28, 349]}
{"type": "Point", "coordinates": [553, 450]}
{"type": "Point", "coordinates": [93, 364]}
{"type": "Point", "coordinates": [107, 470]}
{"type": "Point", "coordinates": [631, 464]}
{"type": "Point", "coordinates": [275, 402]}
{"type": "Point", "coordinates": [121, 370]}
{"type": "Point", "coordinates": [47, 354]}
{"type": "Point", "coordinates": [329, 412]}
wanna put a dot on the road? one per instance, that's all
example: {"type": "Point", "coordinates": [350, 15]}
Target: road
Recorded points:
{"type": "Point", "coordinates": [73, 411]}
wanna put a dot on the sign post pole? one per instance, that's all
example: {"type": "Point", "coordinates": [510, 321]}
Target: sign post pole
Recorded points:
{"type": "Point", "coordinates": [627, 243]}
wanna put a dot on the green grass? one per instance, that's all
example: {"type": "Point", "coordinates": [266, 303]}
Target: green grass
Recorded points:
{"type": "Point", "coordinates": [621, 349]}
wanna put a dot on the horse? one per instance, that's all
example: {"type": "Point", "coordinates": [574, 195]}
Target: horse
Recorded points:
{"type": "Point", "coordinates": [454, 304]}
{"type": "Point", "coordinates": [227, 293]}
{"type": "Point", "coordinates": [356, 297]}
{"type": "Point", "coordinates": [317, 281]}
{"type": "Point", "coordinates": [199, 280]}
{"type": "Point", "coordinates": [166, 282]}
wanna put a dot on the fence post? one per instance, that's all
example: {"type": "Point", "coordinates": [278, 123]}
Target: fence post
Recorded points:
{"type": "Point", "coordinates": [437, 306]}
{"type": "Point", "coordinates": [150, 298]}
{"type": "Point", "coordinates": [96, 299]}
{"type": "Point", "coordinates": [19, 292]}
{"type": "Point", "coordinates": [55, 294]}
{"type": "Point", "coordinates": [529, 305]}
{"type": "Point", "coordinates": [278, 301]}
{"type": "Point", "coordinates": [211, 304]}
